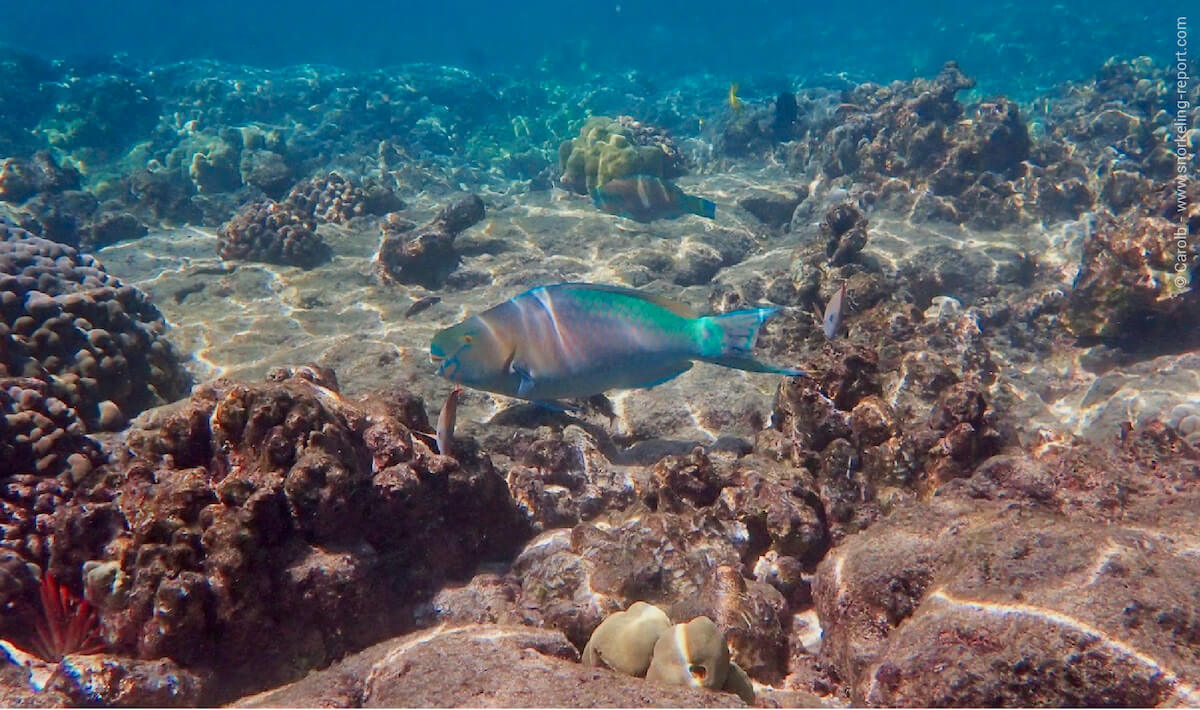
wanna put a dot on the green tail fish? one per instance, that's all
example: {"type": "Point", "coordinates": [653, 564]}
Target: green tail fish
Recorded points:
{"type": "Point", "coordinates": [645, 198]}
{"type": "Point", "coordinates": [576, 340]}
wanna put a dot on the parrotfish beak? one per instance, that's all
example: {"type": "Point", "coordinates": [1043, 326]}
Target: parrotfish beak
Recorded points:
{"type": "Point", "coordinates": [438, 357]}
{"type": "Point", "coordinates": [446, 366]}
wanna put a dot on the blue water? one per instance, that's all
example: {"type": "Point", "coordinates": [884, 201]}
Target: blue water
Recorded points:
{"type": "Point", "coordinates": [1015, 48]}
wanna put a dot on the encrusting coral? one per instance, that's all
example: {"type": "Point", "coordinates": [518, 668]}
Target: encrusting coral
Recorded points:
{"type": "Point", "coordinates": [641, 641]}
{"type": "Point", "coordinates": [625, 640]}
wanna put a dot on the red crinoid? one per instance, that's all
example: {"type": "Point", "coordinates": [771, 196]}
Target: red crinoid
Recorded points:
{"type": "Point", "coordinates": [69, 624]}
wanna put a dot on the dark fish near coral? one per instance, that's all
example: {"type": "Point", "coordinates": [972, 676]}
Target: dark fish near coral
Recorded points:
{"type": "Point", "coordinates": [831, 322]}
{"type": "Point", "coordinates": [445, 424]}
{"type": "Point", "coordinates": [575, 340]}
{"type": "Point", "coordinates": [786, 113]}
{"type": "Point", "coordinates": [421, 304]}
{"type": "Point", "coordinates": [645, 198]}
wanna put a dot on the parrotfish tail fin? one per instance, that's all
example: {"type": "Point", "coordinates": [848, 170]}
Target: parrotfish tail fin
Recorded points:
{"type": "Point", "coordinates": [700, 206]}
{"type": "Point", "coordinates": [739, 330]}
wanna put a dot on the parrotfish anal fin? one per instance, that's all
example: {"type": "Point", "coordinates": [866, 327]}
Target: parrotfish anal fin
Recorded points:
{"type": "Point", "coordinates": [675, 307]}
{"type": "Point", "coordinates": [667, 374]}
{"type": "Point", "coordinates": [556, 406]}
{"type": "Point", "coordinates": [749, 364]}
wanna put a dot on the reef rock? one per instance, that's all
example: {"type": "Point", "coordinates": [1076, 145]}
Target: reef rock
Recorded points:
{"type": "Point", "coordinates": [252, 503]}
{"type": "Point", "coordinates": [580, 576]}
{"type": "Point", "coordinates": [1037, 581]}
{"type": "Point", "coordinates": [773, 209]}
{"type": "Point", "coordinates": [426, 255]}
{"type": "Point", "coordinates": [112, 681]}
{"type": "Point", "coordinates": [266, 170]}
{"type": "Point", "coordinates": [22, 179]}
{"type": "Point", "coordinates": [1129, 289]}
{"type": "Point", "coordinates": [483, 666]}
{"type": "Point", "coordinates": [844, 229]}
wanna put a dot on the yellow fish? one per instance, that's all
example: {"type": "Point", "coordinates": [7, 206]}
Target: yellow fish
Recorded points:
{"type": "Point", "coordinates": [734, 102]}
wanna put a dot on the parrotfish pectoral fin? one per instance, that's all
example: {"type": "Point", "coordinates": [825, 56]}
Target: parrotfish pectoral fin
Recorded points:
{"type": "Point", "coordinates": [700, 206]}
{"type": "Point", "coordinates": [739, 330]}
{"type": "Point", "coordinates": [526, 385]}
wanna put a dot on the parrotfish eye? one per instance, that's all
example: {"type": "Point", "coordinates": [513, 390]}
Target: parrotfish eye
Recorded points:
{"type": "Point", "coordinates": [468, 339]}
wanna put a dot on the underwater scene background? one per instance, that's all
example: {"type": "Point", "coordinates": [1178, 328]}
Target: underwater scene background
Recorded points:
{"type": "Point", "coordinates": [233, 236]}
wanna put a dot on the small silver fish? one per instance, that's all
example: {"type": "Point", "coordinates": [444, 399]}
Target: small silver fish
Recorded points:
{"type": "Point", "coordinates": [445, 425]}
{"type": "Point", "coordinates": [831, 322]}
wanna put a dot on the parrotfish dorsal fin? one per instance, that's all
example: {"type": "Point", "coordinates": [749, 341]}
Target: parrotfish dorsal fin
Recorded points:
{"type": "Point", "coordinates": [675, 307]}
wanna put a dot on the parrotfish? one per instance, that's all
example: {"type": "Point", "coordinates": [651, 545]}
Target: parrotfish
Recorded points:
{"type": "Point", "coordinates": [832, 320]}
{"type": "Point", "coordinates": [575, 340]}
{"type": "Point", "coordinates": [645, 198]}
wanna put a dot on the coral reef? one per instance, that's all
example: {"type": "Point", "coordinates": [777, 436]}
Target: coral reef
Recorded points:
{"type": "Point", "coordinates": [1136, 279]}
{"type": "Point", "coordinates": [95, 341]}
{"type": "Point", "coordinates": [275, 233]}
{"type": "Point", "coordinates": [913, 523]}
{"type": "Point", "coordinates": [624, 642]}
{"type": "Point", "coordinates": [641, 641]}
{"type": "Point", "coordinates": [333, 198]}
{"type": "Point", "coordinates": [44, 454]}
{"type": "Point", "coordinates": [250, 503]}
{"type": "Point", "coordinates": [500, 666]}
{"type": "Point", "coordinates": [610, 148]}
{"type": "Point", "coordinates": [1018, 586]}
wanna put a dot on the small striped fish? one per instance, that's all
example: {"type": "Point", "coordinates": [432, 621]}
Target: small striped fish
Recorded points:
{"type": "Point", "coordinates": [575, 340]}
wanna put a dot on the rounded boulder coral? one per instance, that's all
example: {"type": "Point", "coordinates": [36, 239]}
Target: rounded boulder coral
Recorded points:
{"type": "Point", "coordinates": [275, 233]}
{"type": "Point", "coordinates": [613, 148]}
{"type": "Point", "coordinates": [94, 340]}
